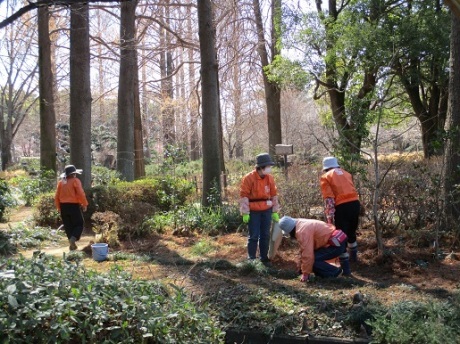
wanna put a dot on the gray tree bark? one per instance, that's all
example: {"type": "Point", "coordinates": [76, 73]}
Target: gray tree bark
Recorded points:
{"type": "Point", "coordinates": [125, 146]}
{"type": "Point", "coordinates": [80, 92]}
{"type": "Point", "coordinates": [194, 103]}
{"type": "Point", "coordinates": [452, 150]}
{"type": "Point", "coordinates": [210, 106]}
{"type": "Point", "coordinates": [272, 91]}
{"type": "Point", "coordinates": [46, 94]}
{"type": "Point", "coordinates": [139, 166]}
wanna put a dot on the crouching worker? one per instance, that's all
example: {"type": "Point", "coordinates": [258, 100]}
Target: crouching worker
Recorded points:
{"type": "Point", "coordinates": [70, 200]}
{"type": "Point", "coordinates": [319, 241]}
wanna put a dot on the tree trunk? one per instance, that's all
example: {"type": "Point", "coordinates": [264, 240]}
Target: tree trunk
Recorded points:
{"type": "Point", "coordinates": [431, 114]}
{"type": "Point", "coordinates": [145, 109]}
{"type": "Point", "coordinates": [452, 151]}
{"type": "Point", "coordinates": [194, 102]}
{"type": "Point", "coordinates": [139, 168]}
{"type": "Point", "coordinates": [272, 91]}
{"type": "Point", "coordinates": [125, 146]}
{"type": "Point", "coordinates": [238, 114]}
{"type": "Point", "coordinates": [210, 106]}
{"type": "Point", "coordinates": [80, 92]}
{"type": "Point", "coordinates": [46, 86]}
{"type": "Point", "coordinates": [167, 92]}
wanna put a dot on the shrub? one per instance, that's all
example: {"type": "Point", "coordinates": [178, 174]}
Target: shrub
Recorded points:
{"type": "Point", "coordinates": [47, 298]}
{"type": "Point", "coordinates": [413, 322]}
{"type": "Point", "coordinates": [106, 226]}
{"type": "Point", "coordinates": [27, 236]}
{"type": "Point", "coordinates": [32, 186]}
{"type": "Point", "coordinates": [101, 175]}
{"type": "Point", "coordinates": [299, 194]}
{"type": "Point", "coordinates": [46, 213]}
{"type": "Point", "coordinates": [135, 201]}
{"type": "Point", "coordinates": [6, 200]}
{"type": "Point", "coordinates": [7, 247]}
{"type": "Point", "coordinates": [211, 221]}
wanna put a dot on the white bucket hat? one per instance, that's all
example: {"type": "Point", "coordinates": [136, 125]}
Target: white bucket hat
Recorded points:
{"type": "Point", "coordinates": [330, 162]}
{"type": "Point", "coordinates": [287, 224]}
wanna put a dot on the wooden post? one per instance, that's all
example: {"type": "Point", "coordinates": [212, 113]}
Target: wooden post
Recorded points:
{"type": "Point", "coordinates": [284, 150]}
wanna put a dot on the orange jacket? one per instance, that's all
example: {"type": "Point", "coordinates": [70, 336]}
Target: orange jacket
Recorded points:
{"type": "Point", "coordinates": [257, 193]}
{"type": "Point", "coordinates": [311, 235]}
{"type": "Point", "coordinates": [70, 190]}
{"type": "Point", "coordinates": [338, 184]}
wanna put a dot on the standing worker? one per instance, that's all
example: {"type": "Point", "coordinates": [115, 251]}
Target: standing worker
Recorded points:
{"type": "Point", "coordinates": [259, 205]}
{"type": "Point", "coordinates": [70, 200]}
{"type": "Point", "coordinates": [341, 203]}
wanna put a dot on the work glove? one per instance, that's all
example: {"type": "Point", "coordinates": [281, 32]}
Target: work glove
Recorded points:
{"type": "Point", "coordinates": [245, 218]}
{"type": "Point", "coordinates": [275, 217]}
{"type": "Point", "coordinates": [304, 277]}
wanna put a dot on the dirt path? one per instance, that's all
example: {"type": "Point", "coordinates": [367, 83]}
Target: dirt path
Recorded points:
{"type": "Point", "coordinates": [23, 215]}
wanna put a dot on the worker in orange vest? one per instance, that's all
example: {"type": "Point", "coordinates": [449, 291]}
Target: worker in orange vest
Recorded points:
{"type": "Point", "coordinates": [341, 201]}
{"type": "Point", "coordinates": [70, 201]}
{"type": "Point", "coordinates": [259, 206]}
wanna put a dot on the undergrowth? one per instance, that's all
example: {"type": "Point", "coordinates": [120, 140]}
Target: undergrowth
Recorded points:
{"type": "Point", "coordinates": [45, 298]}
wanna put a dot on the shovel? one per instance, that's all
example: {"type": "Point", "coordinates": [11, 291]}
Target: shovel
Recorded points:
{"type": "Point", "coordinates": [276, 236]}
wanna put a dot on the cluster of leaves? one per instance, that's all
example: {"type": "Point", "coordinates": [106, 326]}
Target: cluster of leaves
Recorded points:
{"type": "Point", "coordinates": [101, 175]}
{"type": "Point", "coordinates": [25, 236]}
{"type": "Point", "coordinates": [411, 322]}
{"type": "Point", "coordinates": [31, 187]}
{"type": "Point", "coordinates": [212, 221]}
{"type": "Point", "coordinates": [47, 298]}
{"type": "Point", "coordinates": [7, 246]}
{"type": "Point", "coordinates": [131, 201]}
{"type": "Point", "coordinates": [6, 199]}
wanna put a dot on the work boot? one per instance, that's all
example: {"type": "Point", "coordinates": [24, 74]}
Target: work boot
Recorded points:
{"type": "Point", "coordinates": [73, 246]}
{"type": "Point", "coordinates": [345, 264]}
{"type": "Point", "coordinates": [353, 251]}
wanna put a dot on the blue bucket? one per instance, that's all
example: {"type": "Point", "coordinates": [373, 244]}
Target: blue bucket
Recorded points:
{"type": "Point", "coordinates": [100, 251]}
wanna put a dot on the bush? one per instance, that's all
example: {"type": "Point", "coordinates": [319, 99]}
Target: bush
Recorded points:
{"type": "Point", "coordinates": [106, 226]}
{"type": "Point", "coordinates": [46, 213]}
{"type": "Point", "coordinates": [47, 298]}
{"type": "Point", "coordinates": [6, 200]}
{"type": "Point", "coordinates": [300, 194]}
{"type": "Point", "coordinates": [32, 186]}
{"type": "Point", "coordinates": [211, 221]}
{"type": "Point", "coordinates": [25, 236]}
{"type": "Point", "coordinates": [412, 322]}
{"type": "Point", "coordinates": [101, 175]}
{"type": "Point", "coordinates": [7, 246]}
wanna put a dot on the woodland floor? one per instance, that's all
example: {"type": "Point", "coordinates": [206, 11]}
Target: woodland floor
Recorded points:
{"type": "Point", "coordinates": [407, 272]}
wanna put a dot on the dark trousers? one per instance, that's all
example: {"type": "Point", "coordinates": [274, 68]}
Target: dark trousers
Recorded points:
{"type": "Point", "coordinates": [72, 218]}
{"type": "Point", "coordinates": [321, 267]}
{"type": "Point", "coordinates": [259, 233]}
{"type": "Point", "coordinates": [346, 218]}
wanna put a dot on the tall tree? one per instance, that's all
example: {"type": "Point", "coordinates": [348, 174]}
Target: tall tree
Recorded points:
{"type": "Point", "coordinates": [194, 110]}
{"type": "Point", "coordinates": [272, 90]}
{"type": "Point", "coordinates": [127, 83]}
{"type": "Point", "coordinates": [452, 151]}
{"type": "Point", "coordinates": [139, 166]}
{"type": "Point", "coordinates": [167, 89]}
{"type": "Point", "coordinates": [18, 90]}
{"type": "Point", "coordinates": [80, 91]}
{"type": "Point", "coordinates": [212, 142]}
{"type": "Point", "coordinates": [420, 42]}
{"type": "Point", "coordinates": [46, 87]}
